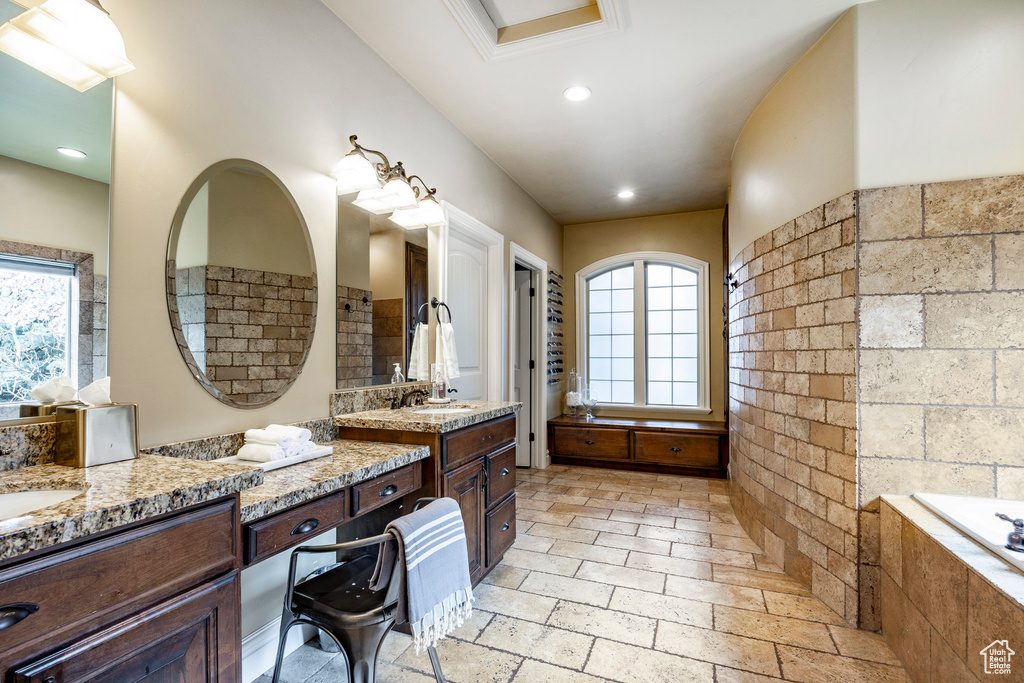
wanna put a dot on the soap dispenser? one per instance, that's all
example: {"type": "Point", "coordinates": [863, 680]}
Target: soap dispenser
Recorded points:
{"type": "Point", "coordinates": [398, 377]}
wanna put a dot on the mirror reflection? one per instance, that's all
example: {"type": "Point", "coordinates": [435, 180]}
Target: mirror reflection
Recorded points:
{"type": "Point", "coordinates": [54, 198]}
{"type": "Point", "coordinates": [382, 288]}
{"type": "Point", "coordinates": [241, 284]}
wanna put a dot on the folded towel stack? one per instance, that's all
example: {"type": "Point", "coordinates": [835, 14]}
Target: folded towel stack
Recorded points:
{"type": "Point", "coordinates": [275, 443]}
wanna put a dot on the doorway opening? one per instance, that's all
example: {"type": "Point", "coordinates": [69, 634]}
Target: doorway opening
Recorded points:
{"type": "Point", "coordinates": [526, 374]}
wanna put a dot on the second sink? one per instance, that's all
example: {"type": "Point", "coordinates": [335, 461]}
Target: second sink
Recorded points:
{"type": "Point", "coordinates": [23, 502]}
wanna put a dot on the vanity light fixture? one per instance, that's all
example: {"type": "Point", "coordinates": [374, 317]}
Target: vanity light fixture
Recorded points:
{"type": "Point", "coordinates": [73, 41]}
{"type": "Point", "coordinates": [576, 93]}
{"type": "Point", "coordinates": [72, 152]}
{"type": "Point", "coordinates": [384, 189]}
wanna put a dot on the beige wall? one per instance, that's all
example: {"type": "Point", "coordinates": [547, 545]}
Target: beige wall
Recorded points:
{"type": "Point", "coordinates": [697, 234]}
{"type": "Point", "coordinates": [353, 246]}
{"type": "Point", "coordinates": [940, 88]}
{"type": "Point", "coordinates": [41, 206]}
{"type": "Point", "coordinates": [387, 264]}
{"type": "Point", "coordinates": [797, 149]}
{"type": "Point", "coordinates": [254, 226]}
{"type": "Point", "coordinates": [290, 109]}
{"type": "Point", "coordinates": [193, 247]}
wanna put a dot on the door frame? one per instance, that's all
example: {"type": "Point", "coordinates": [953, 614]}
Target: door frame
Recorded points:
{"type": "Point", "coordinates": [460, 222]}
{"type": "Point", "coordinates": [538, 268]}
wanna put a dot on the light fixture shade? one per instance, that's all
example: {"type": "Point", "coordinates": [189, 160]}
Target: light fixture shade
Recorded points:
{"type": "Point", "coordinates": [398, 194]}
{"type": "Point", "coordinates": [408, 219]}
{"type": "Point", "coordinates": [370, 200]}
{"type": "Point", "coordinates": [355, 173]}
{"type": "Point", "coordinates": [427, 214]}
{"type": "Point", "coordinates": [72, 41]}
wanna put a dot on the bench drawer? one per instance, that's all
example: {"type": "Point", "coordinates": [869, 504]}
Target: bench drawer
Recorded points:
{"type": "Point", "coordinates": [501, 529]}
{"type": "Point", "coordinates": [676, 448]}
{"type": "Point", "coordinates": [478, 440]}
{"type": "Point", "coordinates": [88, 586]}
{"type": "Point", "coordinates": [372, 494]}
{"type": "Point", "coordinates": [291, 527]}
{"type": "Point", "coordinates": [501, 474]}
{"type": "Point", "coordinates": [590, 442]}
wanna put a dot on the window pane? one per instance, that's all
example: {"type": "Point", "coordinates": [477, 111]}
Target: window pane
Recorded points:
{"type": "Point", "coordinates": [603, 281]}
{"type": "Point", "coordinates": [659, 393]}
{"type": "Point", "coordinates": [601, 346]}
{"type": "Point", "coordinates": [622, 278]}
{"type": "Point", "coordinates": [35, 336]}
{"type": "Point", "coordinates": [659, 298]}
{"type": "Point", "coordinates": [601, 301]}
{"type": "Point", "coordinates": [610, 367]}
{"type": "Point", "coordinates": [672, 328]}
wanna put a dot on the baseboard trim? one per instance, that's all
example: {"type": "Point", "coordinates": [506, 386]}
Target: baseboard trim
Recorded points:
{"type": "Point", "coordinates": [259, 648]}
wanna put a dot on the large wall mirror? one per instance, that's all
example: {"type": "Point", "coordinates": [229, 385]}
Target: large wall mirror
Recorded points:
{"type": "Point", "coordinates": [241, 284]}
{"type": "Point", "coordinates": [55, 147]}
{"type": "Point", "coordinates": [382, 289]}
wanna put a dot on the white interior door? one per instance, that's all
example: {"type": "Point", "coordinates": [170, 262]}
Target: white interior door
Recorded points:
{"type": "Point", "coordinates": [467, 297]}
{"type": "Point", "coordinates": [522, 354]}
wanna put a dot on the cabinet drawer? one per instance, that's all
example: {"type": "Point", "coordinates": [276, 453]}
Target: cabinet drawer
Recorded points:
{"type": "Point", "coordinates": [473, 442]}
{"type": "Point", "coordinates": [372, 494]}
{"type": "Point", "coordinates": [501, 474]}
{"type": "Point", "coordinates": [675, 448]}
{"type": "Point", "coordinates": [501, 529]}
{"type": "Point", "coordinates": [290, 527]}
{"type": "Point", "coordinates": [590, 442]}
{"type": "Point", "coordinates": [91, 585]}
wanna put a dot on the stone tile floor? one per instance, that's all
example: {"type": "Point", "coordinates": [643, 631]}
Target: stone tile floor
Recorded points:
{"type": "Point", "coordinates": [631, 577]}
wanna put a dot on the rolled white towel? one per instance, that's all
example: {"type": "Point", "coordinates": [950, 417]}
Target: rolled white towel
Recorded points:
{"type": "Point", "coordinates": [275, 434]}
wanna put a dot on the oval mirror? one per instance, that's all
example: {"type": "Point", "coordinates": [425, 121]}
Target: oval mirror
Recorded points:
{"type": "Point", "coordinates": [241, 284]}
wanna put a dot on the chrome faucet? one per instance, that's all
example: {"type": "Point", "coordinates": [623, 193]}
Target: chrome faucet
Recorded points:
{"type": "Point", "coordinates": [1015, 539]}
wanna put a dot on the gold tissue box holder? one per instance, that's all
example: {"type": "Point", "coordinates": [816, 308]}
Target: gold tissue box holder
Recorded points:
{"type": "Point", "coordinates": [96, 435]}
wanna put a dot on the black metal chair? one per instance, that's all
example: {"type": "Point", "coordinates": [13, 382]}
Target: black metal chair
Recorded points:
{"type": "Point", "coordinates": [338, 601]}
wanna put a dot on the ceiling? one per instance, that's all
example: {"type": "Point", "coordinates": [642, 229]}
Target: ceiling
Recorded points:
{"type": "Point", "coordinates": [39, 114]}
{"type": "Point", "coordinates": [672, 89]}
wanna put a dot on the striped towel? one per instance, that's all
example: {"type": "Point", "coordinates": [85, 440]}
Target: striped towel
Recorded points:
{"type": "Point", "coordinates": [435, 594]}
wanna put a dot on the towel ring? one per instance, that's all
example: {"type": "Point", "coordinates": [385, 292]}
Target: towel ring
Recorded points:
{"type": "Point", "coordinates": [434, 303]}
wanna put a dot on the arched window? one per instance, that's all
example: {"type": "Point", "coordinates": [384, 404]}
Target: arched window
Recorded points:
{"type": "Point", "coordinates": [642, 331]}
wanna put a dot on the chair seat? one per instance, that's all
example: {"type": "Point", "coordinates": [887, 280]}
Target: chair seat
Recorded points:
{"type": "Point", "coordinates": [342, 595]}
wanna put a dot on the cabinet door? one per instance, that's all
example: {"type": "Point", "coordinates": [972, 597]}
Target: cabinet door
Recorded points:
{"type": "Point", "coordinates": [194, 638]}
{"type": "Point", "coordinates": [466, 485]}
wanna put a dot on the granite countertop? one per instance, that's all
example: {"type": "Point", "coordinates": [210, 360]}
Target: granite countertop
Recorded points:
{"type": "Point", "coordinates": [352, 462]}
{"type": "Point", "coordinates": [113, 495]}
{"type": "Point", "coordinates": [408, 420]}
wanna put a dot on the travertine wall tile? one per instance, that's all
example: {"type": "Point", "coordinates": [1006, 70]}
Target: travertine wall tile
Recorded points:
{"type": "Point", "coordinates": [892, 431]}
{"type": "Point", "coordinates": [975, 321]}
{"type": "Point", "coordinates": [882, 477]}
{"type": "Point", "coordinates": [950, 264]}
{"type": "Point", "coordinates": [926, 376]}
{"type": "Point", "coordinates": [975, 435]}
{"type": "Point", "coordinates": [1009, 257]}
{"type": "Point", "coordinates": [982, 205]}
{"type": "Point", "coordinates": [890, 213]}
{"type": "Point", "coordinates": [892, 322]}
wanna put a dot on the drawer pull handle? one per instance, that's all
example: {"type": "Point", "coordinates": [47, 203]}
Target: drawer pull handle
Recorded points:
{"type": "Point", "coordinates": [388, 490]}
{"type": "Point", "coordinates": [675, 450]}
{"type": "Point", "coordinates": [590, 443]}
{"type": "Point", "coordinates": [504, 471]}
{"type": "Point", "coordinates": [504, 527]}
{"type": "Point", "coordinates": [12, 614]}
{"type": "Point", "coordinates": [306, 527]}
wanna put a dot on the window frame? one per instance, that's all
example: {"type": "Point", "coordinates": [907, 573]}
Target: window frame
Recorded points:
{"type": "Point", "coordinates": [639, 260]}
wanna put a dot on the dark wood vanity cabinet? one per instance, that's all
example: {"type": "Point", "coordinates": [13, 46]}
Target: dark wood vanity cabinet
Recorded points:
{"type": "Point", "coordinates": [154, 601]}
{"type": "Point", "coordinates": [475, 466]}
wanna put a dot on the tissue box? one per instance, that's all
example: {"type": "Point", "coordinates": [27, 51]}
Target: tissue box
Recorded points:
{"type": "Point", "coordinates": [96, 435]}
{"type": "Point", "coordinates": [36, 409]}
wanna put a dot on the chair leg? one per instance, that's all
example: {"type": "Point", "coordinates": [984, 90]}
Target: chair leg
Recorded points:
{"type": "Point", "coordinates": [361, 647]}
{"type": "Point", "coordinates": [436, 664]}
{"type": "Point", "coordinates": [287, 621]}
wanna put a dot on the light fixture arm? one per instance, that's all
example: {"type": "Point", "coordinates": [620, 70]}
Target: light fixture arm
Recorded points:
{"type": "Point", "coordinates": [384, 169]}
{"type": "Point", "coordinates": [431, 191]}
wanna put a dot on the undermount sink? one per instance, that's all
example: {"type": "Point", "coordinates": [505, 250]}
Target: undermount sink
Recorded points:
{"type": "Point", "coordinates": [440, 411]}
{"type": "Point", "coordinates": [21, 503]}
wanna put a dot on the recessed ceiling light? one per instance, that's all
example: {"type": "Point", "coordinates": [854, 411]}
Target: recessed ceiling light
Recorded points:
{"type": "Point", "coordinates": [576, 93]}
{"type": "Point", "coordinates": [626, 194]}
{"type": "Point", "coordinates": [71, 152]}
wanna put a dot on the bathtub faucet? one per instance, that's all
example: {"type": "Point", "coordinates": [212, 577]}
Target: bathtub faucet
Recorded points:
{"type": "Point", "coordinates": [1015, 540]}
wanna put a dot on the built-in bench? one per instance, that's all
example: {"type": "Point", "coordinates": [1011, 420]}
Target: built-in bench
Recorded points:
{"type": "Point", "coordinates": [641, 444]}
